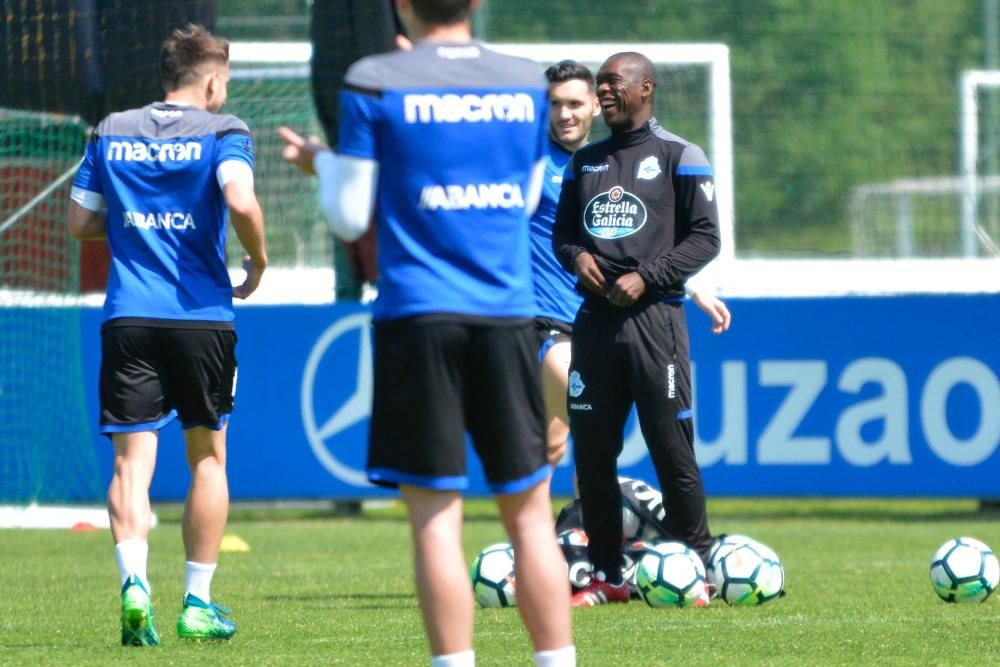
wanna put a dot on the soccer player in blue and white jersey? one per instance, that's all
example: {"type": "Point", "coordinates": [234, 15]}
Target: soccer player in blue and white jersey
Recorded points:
{"type": "Point", "coordinates": [159, 182]}
{"type": "Point", "coordinates": [453, 135]}
{"type": "Point", "coordinates": [572, 109]}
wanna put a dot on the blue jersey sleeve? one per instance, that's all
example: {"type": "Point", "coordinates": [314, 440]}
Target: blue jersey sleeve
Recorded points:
{"type": "Point", "coordinates": [87, 177]}
{"type": "Point", "coordinates": [359, 113]}
{"type": "Point", "coordinates": [234, 144]}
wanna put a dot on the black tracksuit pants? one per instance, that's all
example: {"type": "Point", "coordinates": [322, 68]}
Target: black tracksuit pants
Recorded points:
{"type": "Point", "coordinates": [623, 356]}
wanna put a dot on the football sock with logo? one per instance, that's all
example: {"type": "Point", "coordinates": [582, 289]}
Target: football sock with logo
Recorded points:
{"type": "Point", "coordinates": [131, 556]}
{"type": "Point", "coordinates": [463, 659]}
{"type": "Point", "coordinates": [198, 580]}
{"type": "Point", "coordinates": [560, 657]}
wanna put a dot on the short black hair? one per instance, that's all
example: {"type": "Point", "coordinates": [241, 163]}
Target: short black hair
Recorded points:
{"type": "Point", "coordinates": [567, 70]}
{"type": "Point", "coordinates": [442, 12]}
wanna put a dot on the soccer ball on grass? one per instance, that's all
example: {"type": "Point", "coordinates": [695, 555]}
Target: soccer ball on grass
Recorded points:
{"type": "Point", "coordinates": [964, 570]}
{"type": "Point", "coordinates": [493, 576]}
{"type": "Point", "coordinates": [746, 572]}
{"type": "Point", "coordinates": [724, 544]}
{"type": "Point", "coordinates": [670, 574]}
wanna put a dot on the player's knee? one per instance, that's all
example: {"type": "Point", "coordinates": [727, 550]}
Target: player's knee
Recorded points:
{"type": "Point", "coordinates": [207, 462]}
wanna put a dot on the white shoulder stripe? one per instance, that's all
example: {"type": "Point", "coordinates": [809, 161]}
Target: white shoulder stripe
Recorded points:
{"type": "Point", "coordinates": [88, 199]}
{"type": "Point", "coordinates": [234, 170]}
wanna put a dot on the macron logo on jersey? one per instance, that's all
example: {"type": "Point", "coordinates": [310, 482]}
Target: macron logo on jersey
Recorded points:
{"type": "Point", "coordinates": [139, 151]}
{"type": "Point", "coordinates": [504, 107]}
{"type": "Point", "coordinates": [464, 197]}
{"type": "Point", "coordinates": [166, 113]}
{"type": "Point", "coordinates": [458, 52]}
{"type": "Point", "coordinates": [165, 220]}
{"type": "Point", "coordinates": [709, 189]}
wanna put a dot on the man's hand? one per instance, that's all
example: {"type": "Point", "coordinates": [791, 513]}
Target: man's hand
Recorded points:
{"type": "Point", "coordinates": [588, 273]}
{"type": "Point", "coordinates": [714, 308]}
{"type": "Point", "coordinates": [299, 151]}
{"type": "Point", "coordinates": [627, 290]}
{"type": "Point", "coordinates": [254, 274]}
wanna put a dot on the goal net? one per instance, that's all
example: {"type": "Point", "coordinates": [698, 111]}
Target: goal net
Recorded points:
{"type": "Point", "coordinates": [269, 90]}
{"type": "Point", "coordinates": [82, 60]}
{"type": "Point", "coordinates": [46, 444]}
{"type": "Point", "coordinates": [270, 87]}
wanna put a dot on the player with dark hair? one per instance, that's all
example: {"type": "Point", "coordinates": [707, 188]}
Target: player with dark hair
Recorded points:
{"type": "Point", "coordinates": [159, 183]}
{"type": "Point", "coordinates": [637, 216]}
{"type": "Point", "coordinates": [572, 109]}
{"type": "Point", "coordinates": [454, 135]}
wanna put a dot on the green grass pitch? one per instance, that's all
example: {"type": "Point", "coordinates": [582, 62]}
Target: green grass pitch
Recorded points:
{"type": "Point", "coordinates": [317, 589]}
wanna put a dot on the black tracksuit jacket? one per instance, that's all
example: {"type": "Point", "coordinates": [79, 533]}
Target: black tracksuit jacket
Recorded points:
{"type": "Point", "coordinates": [641, 201]}
{"type": "Point", "coordinates": [666, 223]}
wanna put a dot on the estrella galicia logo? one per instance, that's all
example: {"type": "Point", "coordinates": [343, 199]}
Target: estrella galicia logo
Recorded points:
{"type": "Point", "coordinates": [576, 385]}
{"type": "Point", "coordinates": [614, 214]}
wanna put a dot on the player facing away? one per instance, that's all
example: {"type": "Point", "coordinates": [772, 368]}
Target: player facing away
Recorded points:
{"type": "Point", "coordinates": [572, 109]}
{"type": "Point", "coordinates": [454, 136]}
{"type": "Point", "coordinates": [159, 182]}
{"type": "Point", "coordinates": [637, 216]}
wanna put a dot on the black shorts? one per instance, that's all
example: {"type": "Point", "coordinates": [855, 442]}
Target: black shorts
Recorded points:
{"type": "Point", "coordinates": [151, 375]}
{"type": "Point", "coordinates": [548, 332]}
{"type": "Point", "coordinates": [437, 378]}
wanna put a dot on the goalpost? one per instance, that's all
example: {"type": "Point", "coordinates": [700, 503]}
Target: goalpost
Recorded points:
{"type": "Point", "coordinates": [954, 215]}
{"type": "Point", "coordinates": [972, 82]}
{"type": "Point", "coordinates": [694, 99]}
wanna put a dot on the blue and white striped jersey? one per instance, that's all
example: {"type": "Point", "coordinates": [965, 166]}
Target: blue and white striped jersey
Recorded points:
{"type": "Point", "coordinates": [159, 170]}
{"type": "Point", "coordinates": [456, 130]}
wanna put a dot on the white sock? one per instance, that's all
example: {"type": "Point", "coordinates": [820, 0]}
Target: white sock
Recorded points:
{"type": "Point", "coordinates": [131, 556]}
{"type": "Point", "coordinates": [198, 580]}
{"type": "Point", "coordinates": [560, 657]}
{"type": "Point", "coordinates": [463, 659]}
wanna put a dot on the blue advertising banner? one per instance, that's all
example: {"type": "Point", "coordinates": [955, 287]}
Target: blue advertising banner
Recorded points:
{"type": "Point", "coordinates": [845, 396]}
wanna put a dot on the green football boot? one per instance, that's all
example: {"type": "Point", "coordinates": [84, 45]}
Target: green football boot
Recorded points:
{"type": "Point", "coordinates": [138, 626]}
{"type": "Point", "coordinates": [200, 620]}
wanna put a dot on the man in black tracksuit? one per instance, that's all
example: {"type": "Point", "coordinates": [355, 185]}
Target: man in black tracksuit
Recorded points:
{"type": "Point", "coordinates": [636, 218]}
